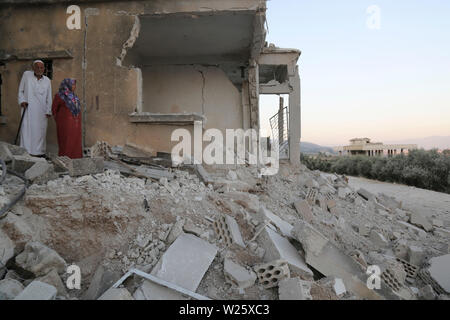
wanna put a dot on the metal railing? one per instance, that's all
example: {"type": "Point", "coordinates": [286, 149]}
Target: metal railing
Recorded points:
{"type": "Point", "coordinates": [279, 124]}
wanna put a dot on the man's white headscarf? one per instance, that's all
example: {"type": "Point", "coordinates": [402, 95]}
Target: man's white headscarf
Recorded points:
{"type": "Point", "coordinates": [36, 61]}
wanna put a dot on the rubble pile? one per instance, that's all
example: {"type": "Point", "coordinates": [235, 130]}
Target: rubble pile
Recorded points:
{"type": "Point", "coordinates": [216, 232]}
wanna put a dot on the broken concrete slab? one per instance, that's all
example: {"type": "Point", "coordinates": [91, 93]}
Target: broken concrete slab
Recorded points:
{"type": "Point", "coordinates": [52, 278]}
{"type": "Point", "coordinates": [427, 293]}
{"type": "Point", "coordinates": [40, 259]}
{"type": "Point", "coordinates": [5, 153]}
{"type": "Point", "coordinates": [420, 221]}
{"type": "Point", "coordinates": [223, 185]}
{"type": "Point", "coordinates": [175, 231]}
{"type": "Point", "coordinates": [41, 172]}
{"type": "Point", "coordinates": [343, 192]}
{"type": "Point", "coordinates": [37, 290]}
{"type": "Point", "coordinates": [378, 239]}
{"type": "Point", "coordinates": [154, 173]}
{"type": "Point", "coordinates": [185, 261]}
{"type": "Point", "coordinates": [246, 200]}
{"type": "Point", "coordinates": [116, 294]}
{"type": "Point", "coordinates": [421, 233]}
{"type": "Point", "coordinates": [339, 287]}
{"type": "Point", "coordinates": [439, 271]}
{"type": "Point", "coordinates": [323, 256]}
{"type": "Point", "coordinates": [238, 275]}
{"type": "Point", "coordinates": [9, 289]}
{"type": "Point", "coordinates": [202, 174]}
{"type": "Point", "coordinates": [366, 194]}
{"type": "Point", "coordinates": [103, 279]}
{"type": "Point", "coordinates": [389, 202]}
{"type": "Point", "coordinates": [153, 291]}
{"type": "Point", "coordinates": [277, 247]}
{"type": "Point", "coordinates": [282, 225]}
{"type": "Point", "coordinates": [82, 166]}
{"type": "Point", "coordinates": [304, 210]}
{"type": "Point", "coordinates": [294, 289]}
{"type": "Point", "coordinates": [22, 163]}
{"type": "Point", "coordinates": [227, 229]}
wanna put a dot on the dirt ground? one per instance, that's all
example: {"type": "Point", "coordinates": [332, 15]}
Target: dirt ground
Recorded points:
{"type": "Point", "coordinates": [427, 202]}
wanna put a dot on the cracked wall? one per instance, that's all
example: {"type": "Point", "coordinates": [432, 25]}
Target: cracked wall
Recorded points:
{"type": "Point", "coordinates": [193, 89]}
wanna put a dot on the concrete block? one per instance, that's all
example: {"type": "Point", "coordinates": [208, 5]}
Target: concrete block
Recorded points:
{"type": "Point", "coordinates": [271, 273]}
{"type": "Point", "coordinates": [311, 196]}
{"type": "Point", "coordinates": [420, 221]}
{"type": "Point", "coordinates": [238, 275]}
{"type": "Point", "coordinates": [378, 239]}
{"type": "Point", "coordinates": [22, 163]}
{"type": "Point", "coordinates": [41, 172]}
{"type": "Point", "coordinates": [277, 247]}
{"type": "Point", "coordinates": [410, 269]}
{"type": "Point", "coordinates": [116, 294]}
{"type": "Point", "coordinates": [284, 227]}
{"type": "Point", "coordinates": [294, 289]}
{"type": "Point", "coordinates": [153, 291]}
{"type": "Point", "coordinates": [185, 262]}
{"type": "Point", "coordinates": [304, 210]}
{"type": "Point", "coordinates": [416, 255]}
{"type": "Point", "coordinates": [6, 249]}
{"type": "Point", "coordinates": [40, 259]}
{"type": "Point", "coordinates": [37, 290]}
{"type": "Point", "coordinates": [227, 229]}
{"type": "Point", "coordinates": [102, 280]}
{"type": "Point", "coordinates": [439, 271]}
{"type": "Point", "coordinates": [10, 288]}
{"type": "Point", "coordinates": [82, 166]}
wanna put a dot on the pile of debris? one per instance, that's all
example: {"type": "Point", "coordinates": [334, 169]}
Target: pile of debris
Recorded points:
{"type": "Point", "coordinates": [139, 229]}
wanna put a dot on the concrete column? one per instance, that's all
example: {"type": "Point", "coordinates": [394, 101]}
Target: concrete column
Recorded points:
{"type": "Point", "coordinates": [253, 80]}
{"type": "Point", "coordinates": [281, 121]}
{"type": "Point", "coordinates": [294, 118]}
{"type": "Point", "coordinates": [245, 106]}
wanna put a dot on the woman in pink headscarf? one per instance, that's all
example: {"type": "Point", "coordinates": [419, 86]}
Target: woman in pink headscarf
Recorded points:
{"type": "Point", "coordinates": [66, 109]}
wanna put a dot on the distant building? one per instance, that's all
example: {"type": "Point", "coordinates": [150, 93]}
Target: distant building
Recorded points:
{"type": "Point", "coordinates": [363, 146]}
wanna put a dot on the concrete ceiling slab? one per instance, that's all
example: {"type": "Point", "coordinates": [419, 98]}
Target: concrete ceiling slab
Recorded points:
{"type": "Point", "coordinates": [193, 39]}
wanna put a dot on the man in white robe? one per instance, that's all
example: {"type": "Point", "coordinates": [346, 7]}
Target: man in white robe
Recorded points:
{"type": "Point", "coordinates": [35, 99]}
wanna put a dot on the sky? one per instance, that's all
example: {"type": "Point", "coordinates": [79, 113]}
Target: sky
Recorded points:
{"type": "Point", "coordinates": [391, 83]}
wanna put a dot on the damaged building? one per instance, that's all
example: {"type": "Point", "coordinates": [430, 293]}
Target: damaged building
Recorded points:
{"type": "Point", "coordinates": [145, 68]}
{"type": "Point", "coordinates": [133, 228]}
